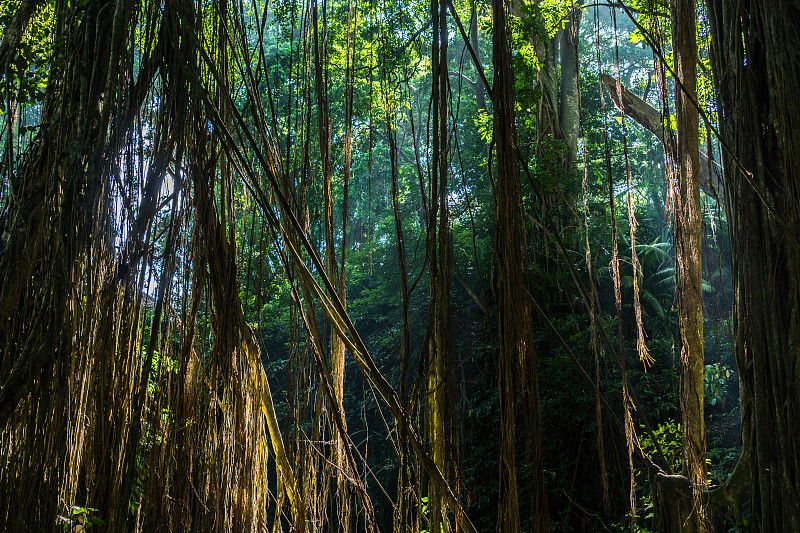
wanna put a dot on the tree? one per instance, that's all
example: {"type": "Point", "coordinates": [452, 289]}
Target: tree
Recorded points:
{"type": "Point", "coordinates": [687, 215]}
{"type": "Point", "coordinates": [517, 352]}
{"type": "Point", "coordinates": [755, 73]}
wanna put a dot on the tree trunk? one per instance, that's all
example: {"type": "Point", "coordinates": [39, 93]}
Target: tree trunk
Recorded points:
{"type": "Point", "coordinates": [439, 338]}
{"type": "Point", "coordinates": [569, 103]}
{"type": "Point", "coordinates": [474, 40]}
{"type": "Point", "coordinates": [55, 261]}
{"type": "Point", "coordinates": [754, 47]}
{"type": "Point", "coordinates": [548, 126]}
{"type": "Point", "coordinates": [688, 218]}
{"type": "Point", "coordinates": [515, 327]}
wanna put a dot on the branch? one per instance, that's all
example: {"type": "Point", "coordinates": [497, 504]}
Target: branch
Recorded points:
{"type": "Point", "coordinates": [650, 119]}
{"type": "Point", "coordinates": [472, 52]}
{"type": "Point", "coordinates": [727, 493]}
{"type": "Point", "coordinates": [414, 37]}
{"type": "Point", "coordinates": [466, 79]}
{"type": "Point", "coordinates": [14, 31]}
{"type": "Point", "coordinates": [746, 174]}
{"type": "Point", "coordinates": [638, 110]}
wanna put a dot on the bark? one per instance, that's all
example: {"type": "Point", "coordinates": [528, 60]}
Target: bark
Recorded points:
{"type": "Point", "coordinates": [515, 327]}
{"type": "Point", "coordinates": [548, 125]}
{"type": "Point", "coordinates": [756, 74]}
{"type": "Point", "coordinates": [39, 207]}
{"type": "Point", "coordinates": [569, 88]}
{"type": "Point", "coordinates": [508, 519]}
{"type": "Point", "coordinates": [688, 231]}
{"type": "Point", "coordinates": [439, 338]}
{"type": "Point", "coordinates": [13, 33]}
{"type": "Point", "coordinates": [235, 339]}
{"type": "Point", "coordinates": [55, 266]}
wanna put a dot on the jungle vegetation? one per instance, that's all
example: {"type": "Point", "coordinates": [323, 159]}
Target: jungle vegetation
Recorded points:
{"type": "Point", "coordinates": [407, 266]}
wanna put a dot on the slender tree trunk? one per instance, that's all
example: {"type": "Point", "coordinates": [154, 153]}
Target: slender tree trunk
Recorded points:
{"type": "Point", "coordinates": [343, 493]}
{"type": "Point", "coordinates": [337, 347]}
{"type": "Point", "coordinates": [474, 40]}
{"type": "Point", "coordinates": [402, 512]}
{"type": "Point", "coordinates": [688, 219]}
{"type": "Point", "coordinates": [439, 352]}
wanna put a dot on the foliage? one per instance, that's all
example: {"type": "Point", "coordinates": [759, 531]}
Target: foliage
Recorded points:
{"type": "Point", "coordinates": [668, 436]}
{"type": "Point", "coordinates": [28, 72]}
{"type": "Point", "coordinates": [716, 379]}
{"type": "Point", "coordinates": [80, 517]}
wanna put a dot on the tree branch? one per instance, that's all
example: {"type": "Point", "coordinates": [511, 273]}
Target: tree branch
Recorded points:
{"type": "Point", "coordinates": [650, 119]}
{"type": "Point", "coordinates": [727, 493]}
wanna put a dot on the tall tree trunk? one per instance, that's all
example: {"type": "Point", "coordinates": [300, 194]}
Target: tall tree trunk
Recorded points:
{"type": "Point", "coordinates": [439, 352]}
{"type": "Point", "coordinates": [515, 327]}
{"type": "Point", "coordinates": [55, 263]}
{"type": "Point", "coordinates": [337, 347]}
{"type": "Point", "coordinates": [342, 483]}
{"type": "Point", "coordinates": [474, 39]}
{"type": "Point", "coordinates": [569, 102]}
{"type": "Point", "coordinates": [688, 218]}
{"type": "Point", "coordinates": [756, 71]}
{"type": "Point", "coordinates": [402, 513]}
{"type": "Point", "coordinates": [548, 125]}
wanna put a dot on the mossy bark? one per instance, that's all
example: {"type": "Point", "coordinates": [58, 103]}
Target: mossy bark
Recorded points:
{"type": "Point", "coordinates": [687, 212]}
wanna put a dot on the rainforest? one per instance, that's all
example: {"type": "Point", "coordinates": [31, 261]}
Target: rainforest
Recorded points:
{"type": "Point", "coordinates": [340, 266]}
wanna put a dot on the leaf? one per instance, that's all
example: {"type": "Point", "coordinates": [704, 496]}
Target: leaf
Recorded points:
{"type": "Point", "coordinates": [648, 298]}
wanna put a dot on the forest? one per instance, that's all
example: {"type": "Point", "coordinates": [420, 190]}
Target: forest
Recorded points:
{"type": "Point", "coordinates": [435, 266]}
